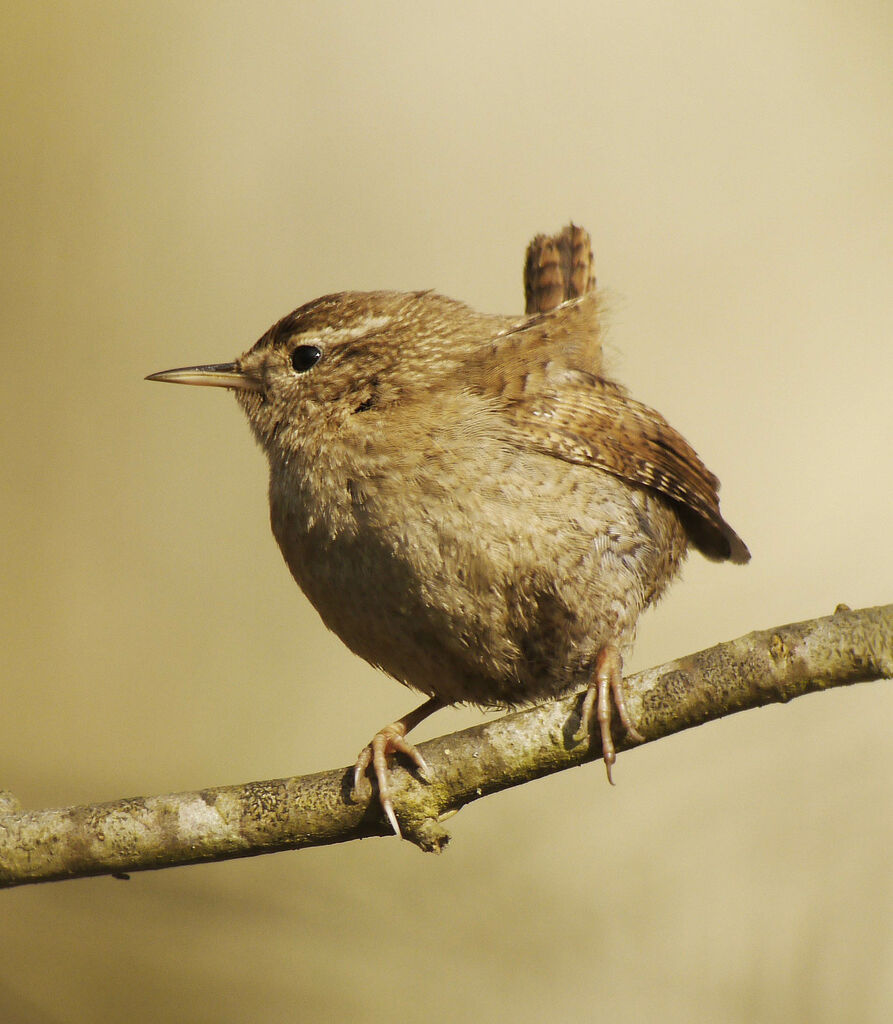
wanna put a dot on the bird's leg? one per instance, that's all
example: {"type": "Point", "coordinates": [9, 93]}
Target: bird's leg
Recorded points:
{"type": "Point", "coordinates": [607, 685]}
{"type": "Point", "coordinates": [392, 740]}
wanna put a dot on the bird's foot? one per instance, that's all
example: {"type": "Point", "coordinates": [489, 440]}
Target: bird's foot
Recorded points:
{"type": "Point", "coordinates": [607, 689]}
{"type": "Point", "coordinates": [392, 740]}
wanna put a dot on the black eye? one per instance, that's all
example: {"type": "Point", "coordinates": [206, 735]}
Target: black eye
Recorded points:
{"type": "Point", "coordinates": [304, 357]}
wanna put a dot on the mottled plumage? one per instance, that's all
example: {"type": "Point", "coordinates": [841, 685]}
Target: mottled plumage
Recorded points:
{"type": "Point", "coordinates": [557, 268]}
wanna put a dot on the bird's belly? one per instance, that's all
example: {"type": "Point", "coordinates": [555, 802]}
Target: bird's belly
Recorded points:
{"type": "Point", "coordinates": [497, 596]}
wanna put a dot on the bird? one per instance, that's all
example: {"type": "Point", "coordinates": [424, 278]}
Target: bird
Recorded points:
{"type": "Point", "coordinates": [469, 500]}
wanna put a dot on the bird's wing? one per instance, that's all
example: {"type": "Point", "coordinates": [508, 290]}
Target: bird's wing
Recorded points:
{"type": "Point", "coordinates": [544, 377]}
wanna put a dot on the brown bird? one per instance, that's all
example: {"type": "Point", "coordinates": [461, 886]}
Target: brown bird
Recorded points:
{"type": "Point", "coordinates": [466, 499]}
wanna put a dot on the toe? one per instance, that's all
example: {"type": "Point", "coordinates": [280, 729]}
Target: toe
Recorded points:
{"type": "Point", "coordinates": [605, 693]}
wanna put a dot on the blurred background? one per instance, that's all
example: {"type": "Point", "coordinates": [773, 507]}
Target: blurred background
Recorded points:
{"type": "Point", "coordinates": [177, 177]}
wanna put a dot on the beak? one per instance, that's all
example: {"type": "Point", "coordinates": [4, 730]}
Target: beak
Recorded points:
{"type": "Point", "coordinates": [218, 375]}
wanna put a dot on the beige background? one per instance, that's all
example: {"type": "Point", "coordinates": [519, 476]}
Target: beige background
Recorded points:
{"type": "Point", "coordinates": [175, 178]}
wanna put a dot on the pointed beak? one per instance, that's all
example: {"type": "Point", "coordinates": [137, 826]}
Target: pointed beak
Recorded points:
{"type": "Point", "coordinates": [218, 375]}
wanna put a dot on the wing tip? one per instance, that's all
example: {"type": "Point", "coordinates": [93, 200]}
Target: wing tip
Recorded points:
{"type": "Point", "coordinates": [712, 535]}
{"type": "Point", "coordinates": [739, 553]}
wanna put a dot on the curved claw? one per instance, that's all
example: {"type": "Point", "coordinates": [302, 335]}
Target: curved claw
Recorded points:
{"type": "Point", "coordinates": [359, 769]}
{"type": "Point", "coordinates": [388, 809]}
{"type": "Point", "coordinates": [392, 740]}
{"type": "Point", "coordinates": [608, 684]}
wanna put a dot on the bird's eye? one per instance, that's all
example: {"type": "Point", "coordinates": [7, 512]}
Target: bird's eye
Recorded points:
{"type": "Point", "coordinates": [304, 357]}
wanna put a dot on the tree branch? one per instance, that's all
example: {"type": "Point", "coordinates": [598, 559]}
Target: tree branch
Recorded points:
{"type": "Point", "coordinates": [145, 833]}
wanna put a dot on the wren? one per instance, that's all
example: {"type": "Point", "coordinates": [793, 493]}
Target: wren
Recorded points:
{"type": "Point", "coordinates": [468, 500]}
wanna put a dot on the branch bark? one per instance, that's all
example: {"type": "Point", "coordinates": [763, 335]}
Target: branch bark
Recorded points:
{"type": "Point", "coordinates": [145, 833]}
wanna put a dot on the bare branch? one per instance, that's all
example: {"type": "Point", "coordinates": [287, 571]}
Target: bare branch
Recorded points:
{"type": "Point", "coordinates": [145, 833]}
